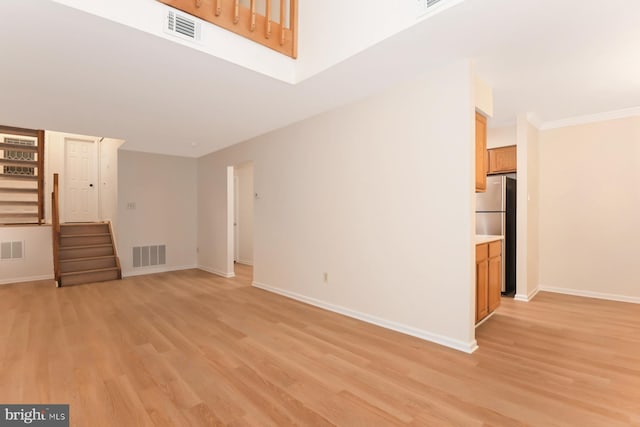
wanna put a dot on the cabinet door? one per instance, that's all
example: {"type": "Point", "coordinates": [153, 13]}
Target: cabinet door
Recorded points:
{"type": "Point", "coordinates": [481, 150]}
{"type": "Point", "coordinates": [482, 281]}
{"type": "Point", "coordinates": [495, 273]}
{"type": "Point", "coordinates": [503, 159]}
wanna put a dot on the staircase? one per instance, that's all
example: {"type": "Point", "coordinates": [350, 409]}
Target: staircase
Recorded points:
{"type": "Point", "coordinates": [87, 254]}
{"type": "Point", "coordinates": [21, 180]}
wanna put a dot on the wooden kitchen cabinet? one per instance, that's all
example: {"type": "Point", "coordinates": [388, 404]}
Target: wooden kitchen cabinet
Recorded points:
{"type": "Point", "coordinates": [481, 153]}
{"type": "Point", "coordinates": [488, 278]}
{"type": "Point", "coordinates": [482, 281]}
{"type": "Point", "coordinates": [502, 160]}
{"type": "Point", "coordinates": [495, 275]}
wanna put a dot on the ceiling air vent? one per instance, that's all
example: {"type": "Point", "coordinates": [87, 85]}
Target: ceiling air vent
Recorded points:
{"type": "Point", "coordinates": [432, 2]}
{"type": "Point", "coordinates": [182, 25]}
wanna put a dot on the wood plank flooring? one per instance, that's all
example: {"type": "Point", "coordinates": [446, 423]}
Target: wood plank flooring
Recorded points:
{"type": "Point", "coordinates": [192, 349]}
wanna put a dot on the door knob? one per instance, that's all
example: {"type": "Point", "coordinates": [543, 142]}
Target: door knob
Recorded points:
{"type": "Point", "coordinates": [90, 185]}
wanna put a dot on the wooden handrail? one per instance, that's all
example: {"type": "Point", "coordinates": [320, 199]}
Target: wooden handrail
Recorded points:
{"type": "Point", "coordinates": [249, 22]}
{"type": "Point", "coordinates": [115, 249]}
{"type": "Point", "coordinates": [55, 227]}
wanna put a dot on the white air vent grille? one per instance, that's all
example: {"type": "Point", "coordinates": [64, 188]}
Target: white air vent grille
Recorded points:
{"type": "Point", "coordinates": [183, 26]}
{"type": "Point", "coordinates": [432, 2]}
{"type": "Point", "coordinates": [11, 250]}
{"type": "Point", "coordinates": [147, 256]}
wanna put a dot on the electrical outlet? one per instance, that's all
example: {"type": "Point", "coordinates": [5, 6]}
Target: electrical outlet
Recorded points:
{"type": "Point", "coordinates": [325, 276]}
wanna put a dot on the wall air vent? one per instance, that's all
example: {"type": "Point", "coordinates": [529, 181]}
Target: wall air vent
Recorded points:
{"type": "Point", "coordinates": [147, 256]}
{"type": "Point", "coordinates": [11, 250]}
{"type": "Point", "coordinates": [182, 25]}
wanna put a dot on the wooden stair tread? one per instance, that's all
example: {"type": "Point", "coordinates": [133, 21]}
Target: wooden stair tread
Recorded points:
{"type": "Point", "coordinates": [28, 163]}
{"type": "Point", "coordinates": [18, 190]}
{"type": "Point", "coordinates": [87, 258]}
{"type": "Point", "coordinates": [19, 202]}
{"type": "Point", "coordinates": [99, 270]}
{"type": "Point", "coordinates": [80, 224]}
{"type": "Point", "coordinates": [19, 147]}
{"type": "Point", "coordinates": [85, 235]}
{"type": "Point", "coordinates": [19, 177]}
{"type": "Point", "coordinates": [18, 214]}
{"type": "Point", "coordinates": [101, 245]}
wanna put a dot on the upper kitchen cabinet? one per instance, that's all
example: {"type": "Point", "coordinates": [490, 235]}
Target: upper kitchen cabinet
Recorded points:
{"type": "Point", "coordinates": [501, 160]}
{"type": "Point", "coordinates": [481, 150]}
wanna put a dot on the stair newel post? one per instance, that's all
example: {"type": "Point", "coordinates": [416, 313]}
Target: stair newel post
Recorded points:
{"type": "Point", "coordinates": [55, 228]}
{"type": "Point", "coordinates": [40, 168]}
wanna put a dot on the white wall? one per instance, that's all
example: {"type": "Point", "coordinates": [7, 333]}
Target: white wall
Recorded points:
{"type": "Point", "coordinates": [37, 263]}
{"type": "Point", "coordinates": [501, 136]}
{"type": "Point", "coordinates": [527, 282]}
{"type": "Point", "coordinates": [244, 174]}
{"type": "Point", "coordinates": [163, 189]}
{"type": "Point", "coordinates": [107, 173]}
{"type": "Point", "coordinates": [590, 209]}
{"type": "Point", "coordinates": [378, 194]}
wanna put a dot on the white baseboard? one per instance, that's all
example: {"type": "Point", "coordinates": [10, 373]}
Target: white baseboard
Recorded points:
{"type": "Point", "coordinates": [591, 294]}
{"type": "Point", "coordinates": [217, 272]}
{"type": "Point", "coordinates": [26, 279]}
{"type": "Point", "coordinates": [527, 298]}
{"type": "Point", "coordinates": [244, 262]}
{"type": "Point", "coordinates": [155, 270]}
{"type": "Point", "coordinates": [467, 347]}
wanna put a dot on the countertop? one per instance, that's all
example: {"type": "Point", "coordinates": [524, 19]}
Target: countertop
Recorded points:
{"type": "Point", "coordinates": [483, 238]}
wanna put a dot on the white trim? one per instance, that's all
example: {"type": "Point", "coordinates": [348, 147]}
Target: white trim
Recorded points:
{"type": "Point", "coordinates": [591, 294]}
{"type": "Point", "coordinates": [217, 272]}
{"type": "Point", "coordinates": [591, 118]}
{"type": "Point", "coordinates": [26, 279]}
{"type": "Point", "coordinates": [529, 297]}
{"type": "Point", "coordinates": [466, 347]}
{"type": "Point", "coordinates": [489, 316]}
{"type": "Point", "coordinates": [534, 120]}
{"type": "Point", "coordinates": [244, 262]}
{"type": "Point", "coordinates": [142, 271]}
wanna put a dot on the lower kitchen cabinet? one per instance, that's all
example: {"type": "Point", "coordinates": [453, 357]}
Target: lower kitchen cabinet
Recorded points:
{"type": "Point", "coordinates": [488, 278]}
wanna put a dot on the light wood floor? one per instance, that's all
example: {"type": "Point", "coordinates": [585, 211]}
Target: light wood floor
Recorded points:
{"type": "Point", "coordinates": [189, 348]}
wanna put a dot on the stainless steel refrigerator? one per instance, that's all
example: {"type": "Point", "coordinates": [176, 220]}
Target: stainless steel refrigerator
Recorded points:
{"type": "Point", "coordinates": [496, 215]}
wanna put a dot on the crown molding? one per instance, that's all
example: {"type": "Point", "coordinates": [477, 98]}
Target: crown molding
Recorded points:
{"type": "Point", "coordinates": [591, 118]}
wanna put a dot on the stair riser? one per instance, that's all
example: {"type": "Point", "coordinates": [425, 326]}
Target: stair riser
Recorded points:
{"type": "Point", "coordinates": [84, 240]}
{"type": "Point", "coordinates": [92, 264]}
{"type": "Point", "coordinates": [68, 230]}
{"type": "Point", "coordinates": [85, 253]}
{"type": "Point", "coordinates": [101, 276]}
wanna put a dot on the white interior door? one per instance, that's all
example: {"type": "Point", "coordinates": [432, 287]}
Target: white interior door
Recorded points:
{"type": "Point", "coordinates": [81, 180]}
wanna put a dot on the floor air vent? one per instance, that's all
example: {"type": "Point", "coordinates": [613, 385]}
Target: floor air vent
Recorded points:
{"type": "Point", "coordinates": [147, 256]}
{"type": "Point", "coordinates": [183, 26]}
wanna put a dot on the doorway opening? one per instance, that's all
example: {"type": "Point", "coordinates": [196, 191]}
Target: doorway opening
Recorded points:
{"type": "Point", "coordinates": [241, 213]}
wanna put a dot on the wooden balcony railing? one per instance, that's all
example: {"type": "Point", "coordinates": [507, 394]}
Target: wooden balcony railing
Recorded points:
{"type": "Point", "coordinates": [21, 176]}
{"type": "Point", "coordinates": [55, 228]}
{"type": "Point", "coordinates": [255, 22]}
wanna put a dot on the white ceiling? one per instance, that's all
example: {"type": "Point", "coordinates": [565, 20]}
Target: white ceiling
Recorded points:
{"type": "Point", "coordinates": [62, 69]}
